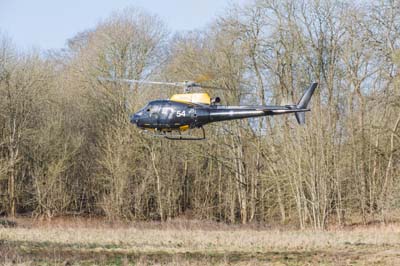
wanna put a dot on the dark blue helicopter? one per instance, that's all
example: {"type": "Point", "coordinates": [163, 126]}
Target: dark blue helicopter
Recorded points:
{"type": "Point", "coordinates": [194, 110]}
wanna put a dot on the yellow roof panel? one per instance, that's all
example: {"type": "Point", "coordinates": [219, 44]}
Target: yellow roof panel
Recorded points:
{"type": "Point", "coordinates": [202, 98]}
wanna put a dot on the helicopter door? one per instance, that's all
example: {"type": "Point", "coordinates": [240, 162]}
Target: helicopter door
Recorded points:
{"type": "Point", "coordinates": [154, 115]}
{"type": "Point", "coordinates": [166, 116]}
{"type": "Point", "coordinates": [193, 115]}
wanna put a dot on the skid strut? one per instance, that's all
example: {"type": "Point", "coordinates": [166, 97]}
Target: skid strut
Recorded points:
{"type": "Point", "coordinates": [179, 136]}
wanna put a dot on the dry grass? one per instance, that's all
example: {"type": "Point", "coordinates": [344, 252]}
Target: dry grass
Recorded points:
{"type": "Point", "coordinates": [203, 240]}
{"type": "Point", "coordinates": [185, 244]}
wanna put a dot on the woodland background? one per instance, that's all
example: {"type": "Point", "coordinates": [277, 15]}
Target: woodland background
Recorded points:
{"type": "Point", "coordinates": [67, 147]}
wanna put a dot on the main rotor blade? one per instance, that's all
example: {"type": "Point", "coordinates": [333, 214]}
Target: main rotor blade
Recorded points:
{"type": "Point", "coordinates": [185, 84]}
{"type": "Point", "coordinates": [177, 84]}
{"type": "Point", "coordinates": [212, 87]}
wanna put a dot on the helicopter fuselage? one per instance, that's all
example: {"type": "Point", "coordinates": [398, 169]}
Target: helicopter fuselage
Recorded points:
{"type": "Point", "coordinates": [167, 115]}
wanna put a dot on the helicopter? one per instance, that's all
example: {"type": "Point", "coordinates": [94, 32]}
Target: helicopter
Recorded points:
{"type": "Point", "coordinates": [183, 112]}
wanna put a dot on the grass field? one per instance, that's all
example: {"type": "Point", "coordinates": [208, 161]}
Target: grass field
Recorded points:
{"type": "Point", "coordinates": [89, 242]}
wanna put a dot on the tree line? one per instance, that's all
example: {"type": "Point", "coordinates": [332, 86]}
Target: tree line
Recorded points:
{"type": "Point", "coordinates": [67, 147]}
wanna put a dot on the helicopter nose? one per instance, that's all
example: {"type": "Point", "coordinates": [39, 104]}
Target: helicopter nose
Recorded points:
{"type": "Point", "coordinates": [135, 118]}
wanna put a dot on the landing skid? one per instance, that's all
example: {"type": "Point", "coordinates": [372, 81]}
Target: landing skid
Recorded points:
{"type": "Point", "coordinates": [186, 136]}
{"type": "Point", "coordinates": [179, 136]}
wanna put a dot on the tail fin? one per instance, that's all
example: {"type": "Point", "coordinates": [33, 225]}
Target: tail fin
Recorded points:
{"type": "Point", "coordinates": [300, 117]}
{"type": "Point", "coordinates": [303, 103]}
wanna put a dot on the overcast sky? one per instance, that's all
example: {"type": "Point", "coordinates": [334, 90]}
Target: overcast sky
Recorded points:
{"type": "Point", "coordinates": [47, 24]}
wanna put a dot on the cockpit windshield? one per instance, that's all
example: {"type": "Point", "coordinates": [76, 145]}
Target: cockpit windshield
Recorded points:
{"type": "Point", "coordinates": [151, 107]}
{"type": "Point", "coordinates": [147, 106]}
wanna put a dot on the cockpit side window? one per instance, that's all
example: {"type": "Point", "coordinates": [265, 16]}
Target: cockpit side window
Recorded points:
{"type": "Point", "coordinates": [153, 109]}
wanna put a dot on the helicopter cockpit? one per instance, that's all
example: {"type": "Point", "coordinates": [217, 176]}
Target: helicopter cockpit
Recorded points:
{"type": "Point", "coordinates": [151, 114]}
{"type": "Point", "coordinates": [143, 113]}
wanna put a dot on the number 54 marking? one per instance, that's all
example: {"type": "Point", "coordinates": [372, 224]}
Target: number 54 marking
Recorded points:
{"type": "Point", "coordinates": [180, 113]}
